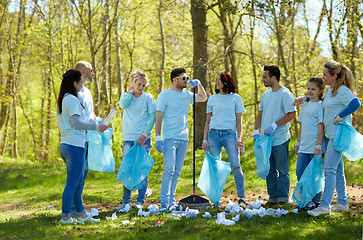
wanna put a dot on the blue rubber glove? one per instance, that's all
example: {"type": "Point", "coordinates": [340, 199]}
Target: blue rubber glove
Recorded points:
{"type": "Point", "coordinates": [159, 144]}
{"type": "Point", "coordinates": [270, 129]}
{"type": "Point", "coordinates": [193, 83]}
{"type": "Point", "coordinates": [256, 135]}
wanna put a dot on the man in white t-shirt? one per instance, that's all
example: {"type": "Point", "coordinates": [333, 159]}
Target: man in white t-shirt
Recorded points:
{"type": "Point", "coordinates": [274, 118]}
{"type": "Point", "coordinates": [172, 109]}
{"type": "Point", "coordinates": [85, 97]}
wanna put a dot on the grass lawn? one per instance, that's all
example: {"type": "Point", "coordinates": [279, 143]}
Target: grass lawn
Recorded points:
{"type": "Point", "coordinates": [27, 188]}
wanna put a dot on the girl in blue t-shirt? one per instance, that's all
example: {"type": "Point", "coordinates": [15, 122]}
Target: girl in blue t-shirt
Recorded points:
{"type": "Point", "coordinates": [72, 124]}
{"type": "Point", "coordinates": [137, 122]}
{"type": "Point", "coordinates": [311, 133]}
{"type": "Point", "coordinates": [223, 127]}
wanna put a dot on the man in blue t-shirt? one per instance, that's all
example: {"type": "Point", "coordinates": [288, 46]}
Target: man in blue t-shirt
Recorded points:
{"type": "Point", "coordinates": [172, 110]}
{"type": "Point", "coordinates": [274, 116]}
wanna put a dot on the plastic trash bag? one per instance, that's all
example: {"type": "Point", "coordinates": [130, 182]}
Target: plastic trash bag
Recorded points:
{"type": "Point", "coordinates": [348, 141]}
{"type": "Point", "coordinates": [311, 182]}
{"type": "Point", "coordinates": [135, 167]}
{"type": "Point", "coordinates": [213, 177]}
{"type": "Point", "coordinates": [262, 150]}
{"type": "Point", "coordinates": [100, 156]}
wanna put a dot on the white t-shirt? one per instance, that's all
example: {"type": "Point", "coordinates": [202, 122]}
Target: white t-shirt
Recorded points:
{"type": "Point", "coordinates": [275, 105]}
{"type": "Point", "coordinates": [311, 114]}
{"type": "Point", "coordinates": [333, 106]}
{"type": "Point", "coordinates": [69, 135]}
{"type": "Point", "coordinates": [135, 117]}
{"type": "Point", "coordinates": [85, 96]}
{"type": "Point", "coordinates": [224, 109]}
{"type": "Point", "coordinates": [175, 106]}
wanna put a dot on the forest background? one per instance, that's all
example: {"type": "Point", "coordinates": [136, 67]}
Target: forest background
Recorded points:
{"type": "Point", "coordinates": [41, 39]}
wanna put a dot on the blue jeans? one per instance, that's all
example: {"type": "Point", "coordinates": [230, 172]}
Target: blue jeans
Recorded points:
{"type": "Point", "coordinates": [127, 193]}
{"type": "Point", "coordinates": [85, 173]}
{"type": "Point", "coordinates": [334, 176]}
{"type": "Point", "coordinates": [278, 178]}
{"type": "Point", "coordinates": [303, 160]}
{"type": "Point", "coordinates": [74, 158]}
{"type": "Point", "coordinates": [174, 154]}
{"type": "Point", "coordinates": [227, 139]}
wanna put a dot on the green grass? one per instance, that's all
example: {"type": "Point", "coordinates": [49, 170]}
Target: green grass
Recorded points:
{"type": "Point", "coordinates": [27, 188]}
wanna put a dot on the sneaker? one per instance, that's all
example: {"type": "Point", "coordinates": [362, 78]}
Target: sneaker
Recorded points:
{"type": "Point", "coordinates": [174, 208]}
{"type": "Point", "coordinates": [340, 208]}
{"type": "Point", "coordinates": [138, 205]}
{"type": "Point", "coordinates": [319, 211]}
{"type": "Point", "coordinates": [74, 215]}
{"type": "Point", "coordinates": [122, 206]}
{"type": "Point", "coordinates": [288, 202]}
{"type": "Point", "coordinates": [70, 221]}
{"type": "Point", "coordinates": [88, 219]}
{"type": "Point", "coordinates": [242, 203]}
{"type": "Point", "coordinates": [310, 206]}
{"type": "Point", "coordinates": [164, 208]}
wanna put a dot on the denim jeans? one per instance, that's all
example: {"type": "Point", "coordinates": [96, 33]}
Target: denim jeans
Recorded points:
{"type": "Point", "coordinates": [334, 176]}
{"type": "Point", "coordinates": [303, 160]}
{"type": "Point", "coordinates": [74, 158]}
{"type": "Point", "coordinates": [127, 193]}
{"type": "Point", "coordinates": [278, 178]}
{"type": "Point", "coordinates": [227, 139]}
{"type": "Point", "coordinates": [85, 174]}
{"type": "Point", "coordinates": [174, 155]}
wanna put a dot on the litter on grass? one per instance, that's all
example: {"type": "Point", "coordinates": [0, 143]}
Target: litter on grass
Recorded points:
{"type": "Point", "coordinates": [112, 218]}
{"type": "Point", "coordinates": [127, 222]}
{"type": "Point", "coordinates": [221, 220]}
{"type": "Point", "coordinates": [93, 213]}
{"type": "Point", "coordinates": [207, 215]}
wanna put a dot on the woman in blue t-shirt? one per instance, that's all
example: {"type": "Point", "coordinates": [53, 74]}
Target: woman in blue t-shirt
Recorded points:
{"type": "Point", "coordinates": [137, 122]}
{"type": "Point", "coordinates": [72, 124]}
{"type": "Point", "coordinates": [223, 127]}
{"type": "Point", "coordinates": [339, 103]}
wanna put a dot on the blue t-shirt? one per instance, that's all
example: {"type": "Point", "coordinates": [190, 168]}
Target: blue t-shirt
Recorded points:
{"type": "Point", "coordinates": [85, 97]}
{"type": "Point", "coordinates": [135, 117]}
{"type": "Point", "coordinates": [69, 135]}
{"type": "Point", "coordinates": [275, 105]}
{"type": "Point", "coordinates": [333, 106]}
{"type": "Point", "coordinates": [224, 109]}
{"type": "Point", "coordinates": [311, 114]}
{"type": "Point", "coordinates": [175, 106]}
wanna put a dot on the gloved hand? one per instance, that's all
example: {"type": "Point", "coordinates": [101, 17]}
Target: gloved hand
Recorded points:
{"type": "Point", "coordinates": [239, 145]}
{"type": "Point", "coordinates": [297, 146]}
{"type": "Point", "coordinates": [142, 139]}
{"type": "Point", "coordinates": [130, 90]}
{"type": "Point", "coordinates": [338, 119]}
{"type": "Point", "coordinates": [205, 145]}
{"type": "Point", "coordinates": [101, 127]}
{"type": "Point", "coordinates": [256, 135]}
{"type": "Point", "coordinates": [159, 144]}
{"type": "Point", "coordinates": [193, 83]}
{"type": "Point", "coordinates": [318, 151]}
{"type": "Point", "coordinates": [270, 129]}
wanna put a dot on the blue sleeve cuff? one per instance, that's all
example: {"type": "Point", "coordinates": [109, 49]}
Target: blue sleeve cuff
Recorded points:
{"type": "Point", "coordinates": [351, 108]}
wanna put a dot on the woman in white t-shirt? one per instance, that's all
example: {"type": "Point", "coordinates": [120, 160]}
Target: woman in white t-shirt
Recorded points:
{"type": "Point", "coordinates": [72, 124]}
{"type": "Point", "coordinates": [223, 127]}
{"type": "Point", "coordinates": [137, 122]}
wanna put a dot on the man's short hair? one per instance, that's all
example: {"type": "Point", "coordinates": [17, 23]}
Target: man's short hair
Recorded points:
{"type": "Point", "coordinates": [176, 72]}
{"type": "Point", "coordinates": [273, 71]}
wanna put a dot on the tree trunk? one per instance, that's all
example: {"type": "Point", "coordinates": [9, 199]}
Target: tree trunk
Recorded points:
{"type": "Point", "coordinates": [163, 48]}
{"type": "Point", "coordinates": [200, 60]}
{"type": "Point", "coordinates": [120, 82]}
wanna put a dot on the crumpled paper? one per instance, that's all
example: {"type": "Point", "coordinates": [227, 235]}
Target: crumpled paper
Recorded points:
{"type": "Point", "coordinates": [113, 217]}
{"type": "Point", "coordinates": [127, 222]}
{"type": "Point", "coordinates": [221, 220]}
{"type": "Point", "coordinates": [153, 209]}
{"type": "Point", "coordinates": [207, 215]}
{"type": "Point", "coordinates": [93, 213]}
{"type": "Point", "coordinates": [233, 208]}
{"type": "Point", "coordinates": [256, 204]}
